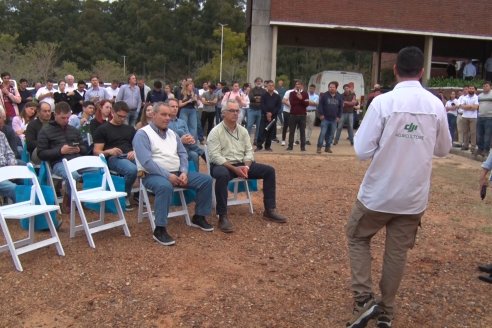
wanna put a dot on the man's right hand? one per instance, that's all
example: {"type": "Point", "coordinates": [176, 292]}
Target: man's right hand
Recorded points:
{"type": "Point", "coordinates": [241, 171]}
{"type": "Point", "coordinates": [188, 139]}
{"type": "Point", "coordinates": [66, 149]}
{"type": "Point", "coordinates": [175, 181]}
{"type": "Point", "coordinates": [322, 117]}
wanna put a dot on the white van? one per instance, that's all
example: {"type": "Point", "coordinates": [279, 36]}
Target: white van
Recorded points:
{"type": "Point", "coordinates": [322, 79]}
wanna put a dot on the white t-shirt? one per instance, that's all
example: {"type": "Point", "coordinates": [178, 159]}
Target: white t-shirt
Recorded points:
{"type": "Point", "coordinates": [449, 105]}
{"type": "Point", "coordinates": [401, 132]}
{"type": "Point", "coordinates": [286, 108]}
{"type": "Point", "coordinates": [112, 92]}
{"type": "Point", "coordinates": [467, 100]}
{"type": "Point", "coordinates": [49, 100]}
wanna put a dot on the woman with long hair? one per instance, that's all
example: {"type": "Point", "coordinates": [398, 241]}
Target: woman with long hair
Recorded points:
{"type": "Point", "coordinates": [19, 123]}
{"type": "Point", "coordinates": [187, 106]}
{"type": "Point", "coordinates": [146, 117]}
{"type": "Point", "coordinates": [168, 91]}
{"type": "Point", "coordinates": [103, 114]}
{"type": "Point", "coordinates": [61, 95]}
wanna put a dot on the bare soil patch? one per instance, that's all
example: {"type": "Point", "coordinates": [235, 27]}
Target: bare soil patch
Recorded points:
{"type": "Point", "coordinates": [263, 275]}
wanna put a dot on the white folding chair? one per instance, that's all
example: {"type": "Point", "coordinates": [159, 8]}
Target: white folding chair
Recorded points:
{"type": "Point", "coordinates": [50, 182]}
{"type": "Point", "coordinates": [26, 209]}
{"type": "Point", "coordinates": [145, 207]}
{"type": "Point", "coordinates": [93, 195]}
{"type": "Point", "coordinates": [234, 200]}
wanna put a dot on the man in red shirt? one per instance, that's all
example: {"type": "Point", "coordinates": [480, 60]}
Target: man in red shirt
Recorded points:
{"type": "Point", "coordinates": [299, 100]}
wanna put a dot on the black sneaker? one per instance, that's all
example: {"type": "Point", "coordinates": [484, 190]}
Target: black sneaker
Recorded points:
{"type": "Point", "coordinates": [288, 148]}
{"type": "Point", "coordinates": [162, 237]}
{"type": "Point", "coordinates": [363, 312]}
{"type": "Point", "coordinates": [199, 221]}
{"type": "Point", "coordinates": [297, 142]}
{"type": "Point", "coordinates": [383, 320]}
{"type": "Point", "coordinates": [268, 149]}
{"type": "Point", "coordinates": [259, 148]}
{"type": "Point", "coordinates": [308, 143]}
{"type": "Point", "coordinates": [128, 206]}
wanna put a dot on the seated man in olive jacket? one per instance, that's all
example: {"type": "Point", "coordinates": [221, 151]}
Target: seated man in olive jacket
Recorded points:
{"type": "Point", "coordinates": [58, 140]}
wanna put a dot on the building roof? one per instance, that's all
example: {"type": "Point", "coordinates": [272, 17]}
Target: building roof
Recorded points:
{"type": "Point", "coordinates": [451, 18]}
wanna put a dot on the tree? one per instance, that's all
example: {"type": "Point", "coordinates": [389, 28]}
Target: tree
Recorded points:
{"type": "Point", "coordinates": [234, 58]}
{"type": "Point", "coordinates": [72, 68]}
{"type": "Point", "coordinates": [108, 70]}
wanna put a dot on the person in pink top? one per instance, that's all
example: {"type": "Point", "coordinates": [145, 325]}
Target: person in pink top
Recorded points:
{"type": "Point", "coordinates": [10, 97]}
{"type": "Point", "coordinates": [19, 123]}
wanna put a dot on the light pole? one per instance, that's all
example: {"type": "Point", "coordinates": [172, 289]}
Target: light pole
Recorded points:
{"type": "Point", "coordinates": [124, 66]}
{"type": "Point", "coordinates": [221, 50]}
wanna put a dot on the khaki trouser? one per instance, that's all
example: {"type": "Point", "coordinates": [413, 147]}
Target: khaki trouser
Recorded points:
{"type": "Point", "coordinates": [460, 129]}
{"type": "Point", "coordinates": [401, 231]}
{"type": "Point", "coordinates": [310, 118]}
{"type": "Point", "coordinates": [469, 130]}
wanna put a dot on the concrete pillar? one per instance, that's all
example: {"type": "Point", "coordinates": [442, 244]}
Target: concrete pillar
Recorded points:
{"type": "Point", "coordinates": [429, 41]}
{"type": "Point", "coordinates": [376, 63]}
{"type": "Point", "coordinates": [273, 74]}
{"type": "Point", "coordinates": [260, 50]}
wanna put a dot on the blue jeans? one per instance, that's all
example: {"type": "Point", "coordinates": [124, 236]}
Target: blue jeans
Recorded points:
{"type": "Point", "coordinates": [218, 114]}
{"type": "Point", "coordinates": [349, 118]}
{"type": "Point", "coordinates": [59, 170]}
{"type": "Point", "coordinates": [327, 132]}
{"type": "Point", "coordinates": [452, 125]}
{"type": "Point", "coordinates": [254, 117]}
{"type": "Point", "coordinates": [132, 117]}
{"type": "Point", "coordinates": [484, 133]}
{"type": "Point", "coordinates": [190, 117]}
{"type": "Point", "coordinates": [194, 152]}
{"type": "Point", "coordinates": [7, 189]}
{"type": "Point", "coordinates": [126, 168]}
{"type": "Point", "coordinates": [199, 128]}
{"type": "Point", "coordinates": [163, 190]}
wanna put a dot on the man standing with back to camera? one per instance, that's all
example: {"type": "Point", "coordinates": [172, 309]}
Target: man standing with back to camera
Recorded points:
{"type": "Point", "coordinates": [401, 132]}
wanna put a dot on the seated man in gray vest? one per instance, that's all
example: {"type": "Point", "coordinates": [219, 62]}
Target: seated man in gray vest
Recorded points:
{"type": "Point", "coordinates": [163, 162]}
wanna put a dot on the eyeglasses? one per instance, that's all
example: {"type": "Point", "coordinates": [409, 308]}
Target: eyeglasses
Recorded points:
{"type": "Point", "coordinates": [234, 111]}
{"type": "Point", "coordinates": [123, 117]}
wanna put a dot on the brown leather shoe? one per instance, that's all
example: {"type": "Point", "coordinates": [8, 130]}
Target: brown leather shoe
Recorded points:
{"type": "Point", "coordinates": [224, 224]}
{"type": "Point", "coordinates": [272, 215]}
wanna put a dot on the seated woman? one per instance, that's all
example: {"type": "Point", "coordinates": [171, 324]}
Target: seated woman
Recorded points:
{"type": "Point", "coordinates": [146, 118]}
{"type": "Point", "coordinates": [19, 123]}
{"type": "Point", "coordinates": [103, 115]}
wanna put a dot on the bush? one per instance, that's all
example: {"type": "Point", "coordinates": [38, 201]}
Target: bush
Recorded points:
{"type": "Point", "coordinates": [441, 82]}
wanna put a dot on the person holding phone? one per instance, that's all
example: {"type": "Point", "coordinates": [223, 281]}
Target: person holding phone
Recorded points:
{"type": "Point", "coordinates": [10, 97]}
{"type": "Point", "coordinates": [58, 140]}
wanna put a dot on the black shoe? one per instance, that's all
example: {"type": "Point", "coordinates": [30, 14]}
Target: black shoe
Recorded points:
{"type": "Point", "coordinates": [308, 143]}
{"type": "Point", "coordinates": [288, 148]}
{"type": "Point", "coordinates": [128, 206]}
{"type": "Point", "coordinates": [383, 320]}
{"type": "Point", "coordinates": [224, 224]}
{"type": "Point", "coordinates": [486, 278]}
{"type": "Point", "coordinates": [199, 221]}
{"type": "Point", "coordinates": [363, 312]}
{"type": "Point", "coordinates": [268, 149]}
{"type": "Point", "coordinates": [272, 215]}
{"type": "Point", "coordinates": [162, 237]}
{"type": "Point", "coordinates": [259, 148]}
{"type": "Point", "coordinates": [303, 149]}
{"type": "Point", "coordinates": [485, 268]}
{"type": "Point", "coordinates": [328, 150]}
{"type": "Point", "coordinates": [297, 142]}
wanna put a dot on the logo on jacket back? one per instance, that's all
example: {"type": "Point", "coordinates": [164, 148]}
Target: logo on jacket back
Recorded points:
{"type": "Point", "coordinates": [410, 127]}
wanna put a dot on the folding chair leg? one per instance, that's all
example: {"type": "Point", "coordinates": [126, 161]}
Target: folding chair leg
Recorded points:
{"type": "Point", "coordinates": [141, 202]}
{"type": "Point", "coordinates": [54, 234]}
{"type": "Point", "coordinates": [122, 216]}
{"type": "Point", "coordinates": [85, 224]}
{"type": "Point", "coordinates": [185, 207]}
{"type": "Point", "coordinates": [10, 245]}
{"type": "Point", "coordinates": [249, 197]}
{"type": "Point", "coordinates": [72, 218]}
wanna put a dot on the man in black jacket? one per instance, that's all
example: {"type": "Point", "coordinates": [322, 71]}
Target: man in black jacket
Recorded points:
{"type": "Point", "coordinates": [58, 140]}
{"type": "Point", "coordinates": [271, 104]}
{"type": "Point", "coordinates": [33, 128]}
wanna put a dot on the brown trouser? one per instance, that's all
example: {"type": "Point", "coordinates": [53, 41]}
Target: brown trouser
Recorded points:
{"type": "Point", "coordinates": [401, 230]}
